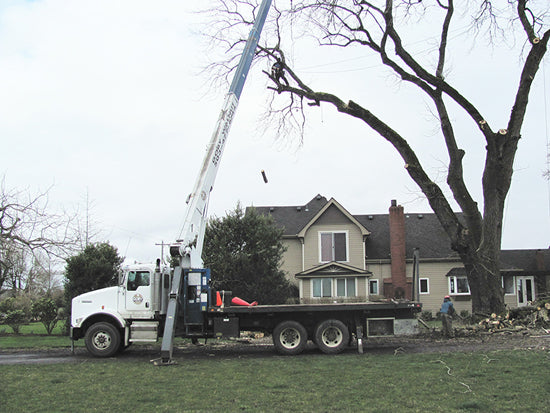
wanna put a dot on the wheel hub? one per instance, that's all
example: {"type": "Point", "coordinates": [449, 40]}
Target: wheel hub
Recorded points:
{"type": "Point", "coordinates": [102, 340]}
{"type": "Point", "coordinates": [332, 336]}
{"type": "Point", "coordinates": [290, 338]}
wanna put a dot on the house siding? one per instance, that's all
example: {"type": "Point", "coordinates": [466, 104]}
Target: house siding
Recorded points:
{"type": "Point", "coordinates": [439, 286]}
{"type": "Point", "coordinates": [380, 270]}
{"type": "Point", "coordinates": [334, 221]}
{"type": "Point", "coordinates": [292, 259]}
{"type": "Point", "coordinates": [362, 287]}
{"type": "Point", "coordinates": [306, 288]}
{"type": "Point", "coordinates": [438, 283]}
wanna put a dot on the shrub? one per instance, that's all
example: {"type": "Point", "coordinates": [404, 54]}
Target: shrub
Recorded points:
{"type": "Point", "coordinates": [15, 319]}
{"type": "Point", "coordinates": [45, 311]}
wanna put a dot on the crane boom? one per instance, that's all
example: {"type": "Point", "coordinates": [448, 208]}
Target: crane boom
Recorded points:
{"type": "Point", "coordinates": [189, 247]}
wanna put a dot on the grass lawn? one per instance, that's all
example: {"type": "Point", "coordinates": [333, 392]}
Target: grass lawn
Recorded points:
{"type": "Point", "coordinates": [32, 328]}
{"type": "Point", "coordinates": [503, 381]}
{"type": "Point", "coordinates": [34, 335]}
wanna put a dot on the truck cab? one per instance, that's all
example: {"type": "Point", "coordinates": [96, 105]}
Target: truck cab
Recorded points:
{"type": "Point", "coordinates": [111, 318]}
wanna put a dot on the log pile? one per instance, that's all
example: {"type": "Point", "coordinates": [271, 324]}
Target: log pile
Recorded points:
{"type": "Point", "coordinates": [519, 319]}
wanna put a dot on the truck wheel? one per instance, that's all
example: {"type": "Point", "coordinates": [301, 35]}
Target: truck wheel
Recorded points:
{"type": "Point", "coordinates": [331, 336]}
{"type": "Point", "coordinates": [102, 340]}
{"type": "Point", "coordinates": [290, 338]}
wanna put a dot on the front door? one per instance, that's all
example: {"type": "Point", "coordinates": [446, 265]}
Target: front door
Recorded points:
{"type": "Point", "coordinates": [138, 291]}
{"type": "Point", "coordinates": [525, 289]}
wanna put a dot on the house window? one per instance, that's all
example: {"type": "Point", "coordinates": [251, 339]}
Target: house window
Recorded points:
{"type": "Point", "coordinates": [345, 287]}
{"type": "Point", "coordinates": [322, 287]}
{"type": "Point", "coordinates": [458, 285]}
{"type": "Point", "coordinates": [508, 284]}
{"type": "Point", "coordinates": [333, 246]}
{"type": "Point", "coordinates": [424, 287]}
{"type": "Point", "coordinates": [373, 287]}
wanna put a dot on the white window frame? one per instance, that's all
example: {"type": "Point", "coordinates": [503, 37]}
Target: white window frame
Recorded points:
{"type": "Point", "coordinates": [453, 280]}
{"type": "Point", "coordinates": [377, 282]}
{"type": "Point", "coordinates": [347, 281]}
{"type": "Point", "coordinates": [334, 287]}
{"type": "Point", "coordinates": [420, 285]}
{"type": "Point", "coordinates": [346, 233]}
{"type": "Point", "coordinates": [321, 279]}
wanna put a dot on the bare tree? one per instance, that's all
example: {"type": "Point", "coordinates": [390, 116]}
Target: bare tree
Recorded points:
{"type": "Point", "coordinates": [14, 267]}
{"type": "Point", "coordinates": [45, 276]}
{"type": "Point", "coordinates": [85, 225]}
{"type": "Point", "coordinates": [376, 26]}
{"type": "Point", "coordinates": [27, 231]}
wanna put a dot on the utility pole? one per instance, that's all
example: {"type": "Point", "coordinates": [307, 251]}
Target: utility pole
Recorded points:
{"type": "Point", "coordinates": [162, 245]}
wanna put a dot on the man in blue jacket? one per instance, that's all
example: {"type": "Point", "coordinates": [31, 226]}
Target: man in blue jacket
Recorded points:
{"type": "Point", "coordinates": [447, 311]}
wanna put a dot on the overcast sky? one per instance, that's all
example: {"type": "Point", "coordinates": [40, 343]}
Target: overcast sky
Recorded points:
{"type": "Point", "coordinates": [106, 99]}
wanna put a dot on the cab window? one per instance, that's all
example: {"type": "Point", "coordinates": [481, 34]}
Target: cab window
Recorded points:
{"type": "Point", "coordinates": [138, 279]}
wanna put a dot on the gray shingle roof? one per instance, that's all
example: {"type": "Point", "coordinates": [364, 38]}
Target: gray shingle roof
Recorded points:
{"type": "Point", "coordinates": [526, 260]}
{"type": "Point", "coordinates": [518, 262]}
{"type": "Point", "coordinates": [422, 231]}
{"type": "Point", "coordinates": [293, 218]}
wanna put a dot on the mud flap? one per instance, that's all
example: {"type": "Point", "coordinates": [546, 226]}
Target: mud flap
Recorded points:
{"type": "Point", "coordinates": [359, 334]}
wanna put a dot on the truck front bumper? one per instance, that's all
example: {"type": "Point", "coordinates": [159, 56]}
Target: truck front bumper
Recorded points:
{"type": "Point", "coordinates": [76, 333]}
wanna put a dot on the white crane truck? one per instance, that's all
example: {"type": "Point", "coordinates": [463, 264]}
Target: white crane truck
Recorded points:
{"type": "Point", "coordinates": [153, 300]}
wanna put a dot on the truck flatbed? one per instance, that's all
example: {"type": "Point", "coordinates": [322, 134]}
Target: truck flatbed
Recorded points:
{"type": "Point", "coordinates": [331, 326]}
{"type": "Point", "coordinates": [292, 308]}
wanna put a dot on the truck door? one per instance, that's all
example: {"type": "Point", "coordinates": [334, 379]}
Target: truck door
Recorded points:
{"type": "Point", "coordinates": [138, 291]}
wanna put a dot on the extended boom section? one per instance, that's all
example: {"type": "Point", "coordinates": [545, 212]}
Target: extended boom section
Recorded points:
{"type": "Point", "coordinates": [189, 248]}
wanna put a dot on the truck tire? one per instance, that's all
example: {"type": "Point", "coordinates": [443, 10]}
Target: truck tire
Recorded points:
{"type": "Point", "coordinates": [102, 340]}
{"type": "Point", "coordinates": [332, 336]}
{"type": "Point", "coordinates": [290, 337]}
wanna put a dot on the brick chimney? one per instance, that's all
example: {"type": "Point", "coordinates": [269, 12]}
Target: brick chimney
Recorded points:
{"type": "Point", "coordinates": [399, 286]}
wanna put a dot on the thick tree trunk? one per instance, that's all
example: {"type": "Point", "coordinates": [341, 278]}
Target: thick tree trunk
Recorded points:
{"type": "Point", "coordinates": [485, 285]}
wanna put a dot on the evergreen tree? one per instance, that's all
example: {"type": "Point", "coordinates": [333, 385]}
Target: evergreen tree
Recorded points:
{"type": "Point", "coordinates": [243, 252]}
{"type": "Point", "coordinates": [94, 268]}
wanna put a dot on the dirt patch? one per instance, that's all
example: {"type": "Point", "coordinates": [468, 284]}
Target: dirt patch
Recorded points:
{"type": "Point", "coordinates": [263, 347]}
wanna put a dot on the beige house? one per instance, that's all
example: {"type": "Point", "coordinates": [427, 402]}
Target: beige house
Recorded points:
{"type": "Point", "coordinates": [334, 256]}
